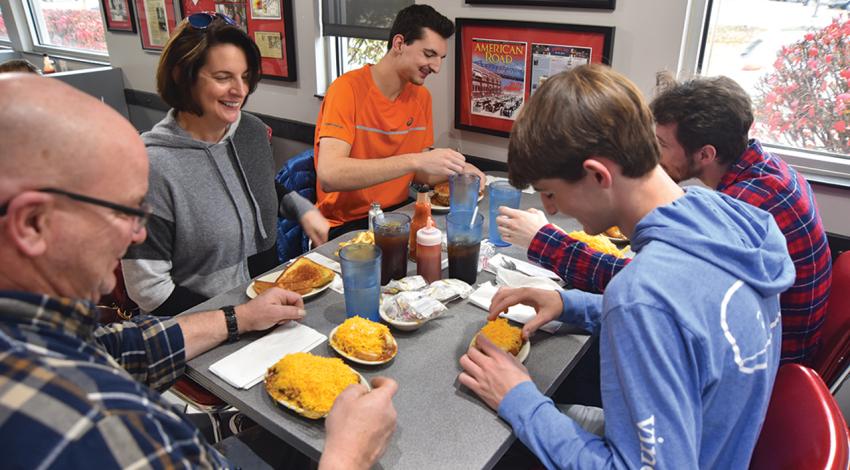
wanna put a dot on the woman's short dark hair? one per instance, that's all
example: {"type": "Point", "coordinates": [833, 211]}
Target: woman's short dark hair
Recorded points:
{"type": "Point", "coordinates": [185, 54]}
{"type": "Point", "coordinates": [410, 21]}
{"type": "Point", "coordinates": [707, 111]}
{"type": "Point", "coordinates": [588, 111]}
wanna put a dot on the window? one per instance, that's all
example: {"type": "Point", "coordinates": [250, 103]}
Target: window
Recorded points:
{"type": "Point", "coordinates": [356, 32]}
{"type": "Point", "coordinates": [4, 33]}
{"type": "Point", "coordinates": [68, 24]}
{"type": "Point", "coordinates": [794, 60]}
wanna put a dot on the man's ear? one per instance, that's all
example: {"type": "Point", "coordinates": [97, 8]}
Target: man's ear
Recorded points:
{"type": "Point", "coordinates": [707, 154]}
{"type": "Point", "coordinates": [28, 221]}
{"type": "Point", "coordinates": [398, 41]}
{"type": "Point", "coordinates": [597, 170]}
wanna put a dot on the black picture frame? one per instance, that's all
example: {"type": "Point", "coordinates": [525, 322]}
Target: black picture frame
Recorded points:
{"type": "Point", "coordinates": [472, 113]}
{"type": "Point", "coordinates": [592, 4]}
{"type": "Point", "coordinates": [126, 26]}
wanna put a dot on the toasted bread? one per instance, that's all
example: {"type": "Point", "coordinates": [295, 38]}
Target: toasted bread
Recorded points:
{"type": "Point", "coordinates": [441, 195]}
{"type": "Point", "coordinates": [304, 275]}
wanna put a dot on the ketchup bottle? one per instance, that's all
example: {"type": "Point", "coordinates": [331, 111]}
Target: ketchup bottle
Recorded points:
{"type": "Point", "coordinates": [428, 250]}
{"type": "Point", "coordinates": [421, 214]}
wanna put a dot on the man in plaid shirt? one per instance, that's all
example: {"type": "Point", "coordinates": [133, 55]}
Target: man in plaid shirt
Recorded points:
{"type": "Point", "coordinates": [73, 177]}
{"type": "Point", "coordinates": [702, 127]}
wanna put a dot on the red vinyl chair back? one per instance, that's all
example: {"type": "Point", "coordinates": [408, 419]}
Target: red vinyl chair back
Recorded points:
{"type": "Point", "coordinates": [804, 427]}
{"type": "Point", "coordinates": [832, 358]}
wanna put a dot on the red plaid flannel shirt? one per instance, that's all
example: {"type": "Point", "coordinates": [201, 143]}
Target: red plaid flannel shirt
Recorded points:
{"type": "Point", "coordinates": [766, 182]}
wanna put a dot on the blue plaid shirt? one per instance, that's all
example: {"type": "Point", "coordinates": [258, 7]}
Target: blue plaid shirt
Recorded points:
{"type": "Point", "coordinates": [76, 394]}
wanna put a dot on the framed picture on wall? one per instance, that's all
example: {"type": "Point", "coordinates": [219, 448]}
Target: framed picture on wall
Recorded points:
{"type": "Point", "coordinates": [500, 64]}
{"type": "Point", "coordinates": [119, 15]}
{"type": "Point", "coordinates": [157, 19]}
{"type": "Point", "coordinates": [595, 4]}
{"type": "Point", "coordinates": [267, 22]}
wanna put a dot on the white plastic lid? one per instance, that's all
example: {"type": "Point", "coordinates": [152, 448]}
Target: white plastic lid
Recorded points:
{"type": "Point", "coordinates": [429, 236]}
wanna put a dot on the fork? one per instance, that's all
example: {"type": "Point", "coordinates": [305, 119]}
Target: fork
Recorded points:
{"type": "Point", "coordinates": [508, 264]}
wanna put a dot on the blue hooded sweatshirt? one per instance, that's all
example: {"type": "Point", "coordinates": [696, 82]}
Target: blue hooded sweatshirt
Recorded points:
{"type": "Point", "coordinates": [689, 335]}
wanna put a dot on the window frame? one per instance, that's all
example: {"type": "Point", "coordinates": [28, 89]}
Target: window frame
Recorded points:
{"type": "Point", "coordinates": [24, 37]}
{"type": "Point", "coordinates": [814, 165]}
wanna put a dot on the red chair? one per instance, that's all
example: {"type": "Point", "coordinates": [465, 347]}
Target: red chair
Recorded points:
{"type": "Point", "coordinates": [202, 399]}
{"type": "Point", "coordinates": [832, 358]}
{"type": "Point", "coordinates": [804, 427]}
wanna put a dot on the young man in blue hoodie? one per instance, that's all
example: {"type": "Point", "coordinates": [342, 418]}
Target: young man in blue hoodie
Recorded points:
{"type": "Point", "coordinates": [689, 331]}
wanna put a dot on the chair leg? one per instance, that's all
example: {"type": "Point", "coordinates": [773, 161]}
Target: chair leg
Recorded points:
{"type": "Point", "coordinates": [216, 426]}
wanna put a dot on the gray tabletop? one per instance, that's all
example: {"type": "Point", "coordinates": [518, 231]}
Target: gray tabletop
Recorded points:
{"type": "Point", "coordinates": [441, 424]}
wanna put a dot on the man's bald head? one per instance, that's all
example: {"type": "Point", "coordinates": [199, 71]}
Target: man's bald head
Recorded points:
{"type": "Point", "coordinates": [55, 135]}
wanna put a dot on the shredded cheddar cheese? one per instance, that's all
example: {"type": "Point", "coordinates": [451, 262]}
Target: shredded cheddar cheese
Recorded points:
{"type": "Point", "coordinates": [598, 243]}
{"type": "Point", "coordinates": [363, 339]}
{"type": "Point", "coordinates": [503, 335]}
{"type": "Point", "coordinates": [310, 382]}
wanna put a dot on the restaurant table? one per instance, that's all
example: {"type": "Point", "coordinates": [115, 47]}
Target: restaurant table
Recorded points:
{"type": "Point", "coordinates": [441, 424]}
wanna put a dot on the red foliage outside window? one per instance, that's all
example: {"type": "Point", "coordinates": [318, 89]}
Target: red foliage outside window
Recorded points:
{"type": "Point", "coordinates": [805, 101]}
{"type": "Point", "coordinates": [79, 29]}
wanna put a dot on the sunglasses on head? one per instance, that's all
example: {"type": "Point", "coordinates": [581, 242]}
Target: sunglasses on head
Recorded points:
{"type": "Point", "coordinates": [204, 19]}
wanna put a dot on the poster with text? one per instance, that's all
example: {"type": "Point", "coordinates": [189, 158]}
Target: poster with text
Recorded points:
{"type": "Point", "coordinates": [270, 44]}
{"type": "Point", "coordinates": [498, 77]}
{"type": "Point", "coordinates": [549, 59]}
{"type": "Point", "coordinates": [156, 22]}
{"type": "Point", "coordinates": [265, 9]}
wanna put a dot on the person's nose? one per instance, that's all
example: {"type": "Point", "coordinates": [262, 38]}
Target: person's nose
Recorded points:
{"type": "Point", "coordinates": [139, 235]}
{"type": "Point", "coordinates": [548, 204]}
{"type": "Point", "coordinates": [435, 64]}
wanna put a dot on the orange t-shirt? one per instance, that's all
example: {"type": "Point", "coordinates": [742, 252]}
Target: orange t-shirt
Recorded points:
{"type": "Point", "coordinates": [354, 110]}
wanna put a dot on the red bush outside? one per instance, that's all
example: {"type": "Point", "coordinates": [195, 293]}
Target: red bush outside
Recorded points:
{"type": "Point", "coordinates": [80, 29]}
{"type": "Point", "coordinates": [805, 101]}
{"type": "Point", "coordinates": [3, 31]}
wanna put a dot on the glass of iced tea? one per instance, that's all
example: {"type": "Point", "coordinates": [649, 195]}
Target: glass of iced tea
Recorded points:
{"type": "Point", "coordinates": [392, 234]}
{"type": "Point", "coordinates": [464, 241]}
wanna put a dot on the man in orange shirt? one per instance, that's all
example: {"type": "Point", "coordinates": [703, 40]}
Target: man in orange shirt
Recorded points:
{"type": "Point", "coordinates": [375, 125]}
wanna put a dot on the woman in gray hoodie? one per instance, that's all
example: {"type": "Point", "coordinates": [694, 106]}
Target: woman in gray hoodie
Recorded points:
{"type": "Point", "coordinates": [212, 190]}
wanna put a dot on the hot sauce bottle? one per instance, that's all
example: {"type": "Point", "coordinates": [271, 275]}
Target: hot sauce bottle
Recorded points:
{"type": "Point", "coordinates": [421, 214]}
{"type": "Point", "coordinates": [428, 252]}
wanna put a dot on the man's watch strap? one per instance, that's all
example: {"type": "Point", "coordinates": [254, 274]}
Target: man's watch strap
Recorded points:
{"type": "Point", "coordinates": [232, 326]}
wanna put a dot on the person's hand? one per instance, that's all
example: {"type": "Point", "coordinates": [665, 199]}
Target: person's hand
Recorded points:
{"type": "Point", "coordinates": [470, 168]}
{"type": "Point", "coordinates": [519, 227]}
{"type": "Point", "coordinates": [490, 372]}
{"type": "Point", "coordinates": [316, 226]}
{"type": "Point", "coordinates": [359, 425]}
{"type": "Point", "coordinates": [273, 307]}
{"type": "Point", "coordinates": [547, 303]}
{"type": "Point", "coordinates": [440, 162]}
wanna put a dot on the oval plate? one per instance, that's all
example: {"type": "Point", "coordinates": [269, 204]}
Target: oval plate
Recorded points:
{"type": "Point", "coordinates": [399, 324]}
{"type": "Point", "coordinates": [311, 414]}
{"type": "Point", "coordinates": [272, 276]}
{"type": "Point", "coordinates": [358, 360]}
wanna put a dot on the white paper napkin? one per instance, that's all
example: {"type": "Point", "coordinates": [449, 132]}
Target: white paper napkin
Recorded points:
{"type": "Point", "coordinates": [522, 266]}
{"type": "Point", "coordinates": [324, 261]}
{"type": "Point", "coordinates": [483, 296]}
{"type": "Point", "coordinates": [490, 179]}
{"type": "Point", "coordinates": [247, 366]}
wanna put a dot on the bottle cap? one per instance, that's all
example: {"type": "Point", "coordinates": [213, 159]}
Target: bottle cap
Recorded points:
{"type": "Point", "coordinates": [429, 235]}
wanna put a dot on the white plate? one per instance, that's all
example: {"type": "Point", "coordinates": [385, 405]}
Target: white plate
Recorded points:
{"type": "Point", "coordinates": [303, 412]}
{"type": "Point", "coordinates": [400, 324]}
{"type": "Point", "coordinates": [443, 209]}
{"type": "Point", "coordinates": [521, 356]}
{"type": "Point", "coordinates": [357, 360]}
{"type": "Point", "coordinates": [272, 276]}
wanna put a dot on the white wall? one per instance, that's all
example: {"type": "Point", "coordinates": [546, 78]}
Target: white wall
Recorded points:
{"type": "Point", "coordinates": [648, 38]}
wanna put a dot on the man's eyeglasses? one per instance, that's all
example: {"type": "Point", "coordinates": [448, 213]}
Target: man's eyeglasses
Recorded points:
{"type": "Point", "coordinates": [204, 19]}
{"type": "Point", "coordinates": [139, 215]}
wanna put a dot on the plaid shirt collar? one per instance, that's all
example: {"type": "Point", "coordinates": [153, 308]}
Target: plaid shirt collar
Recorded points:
{"type": "Point", "coordinates": [72, 317]}
{"type": "Point", "coordinates": [752, 156]}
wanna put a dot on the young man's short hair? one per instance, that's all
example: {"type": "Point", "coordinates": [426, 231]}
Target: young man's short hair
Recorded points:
{"type": "Point", "coordinates": [185, 54]}
{"type": "Point", "coordinates": [588, 111]}
{"type": "Point", "coordinates": [410, 21]}
{"type": "Point", "coordinates": [707, 111]}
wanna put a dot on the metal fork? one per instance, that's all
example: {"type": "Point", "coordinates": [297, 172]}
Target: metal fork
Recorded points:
{"type": "Point", "coordinates": [508, 264]}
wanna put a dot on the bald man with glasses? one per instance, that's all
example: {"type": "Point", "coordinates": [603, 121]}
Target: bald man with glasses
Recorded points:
{"type": "Point", "coordinates": [73, 178]}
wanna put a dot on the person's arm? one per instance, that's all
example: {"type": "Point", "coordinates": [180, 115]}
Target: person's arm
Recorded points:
{"type": "Point", "coordinates": [296, 207]}
{"type": "Point", "coordinates": [359, 426]}
{"type": "Point", "coordinates": [574, 307]}
{"type": "Point", "coordinates": [204, 330]}
{"type": "Point", "coordinates": [576, 263]}
{"type": "Point", "coordinates": [435, 179]}
{"type": "Point", "coordinates": [336, 171]}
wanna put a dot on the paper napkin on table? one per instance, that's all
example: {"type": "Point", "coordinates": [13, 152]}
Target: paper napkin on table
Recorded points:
{"type": "Point", "coordinates": [324, 261]}
{"type": "Point", "coordinates": [522, 266]}
{"type": "Point", "coordinates": [247, 366]}
{"type": "Point", "coordinates": [490, 179]}
{"type": "Point", "coordinates": [483, 296]}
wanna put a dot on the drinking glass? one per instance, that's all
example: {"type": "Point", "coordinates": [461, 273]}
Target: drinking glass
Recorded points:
{"type": "Point", "coordinates": [464, 241]}
{"type": "Point", "coordinates": [361, 273]}
{"type": "Point", "coordinates": [501, 193]}
{"type": "Point", "coordinates": [392, 234]}
{"type": "Point", "coordinates": [463, 192]}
